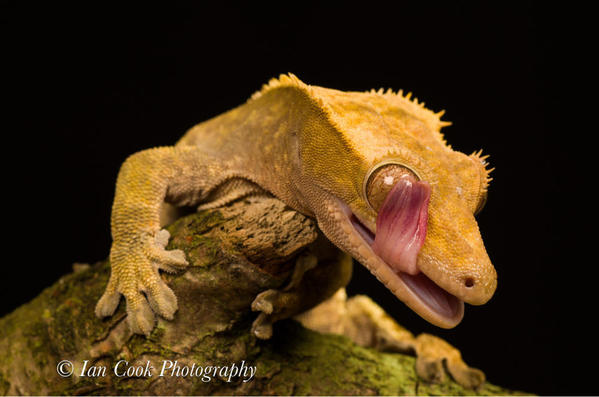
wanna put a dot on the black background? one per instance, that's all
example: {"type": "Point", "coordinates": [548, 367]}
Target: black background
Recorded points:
{"type": "Point", "coordinates": [89, 86]}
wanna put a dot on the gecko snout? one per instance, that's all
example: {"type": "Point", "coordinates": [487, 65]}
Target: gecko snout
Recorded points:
{"type": "Point", "coordinates": [478, 288]}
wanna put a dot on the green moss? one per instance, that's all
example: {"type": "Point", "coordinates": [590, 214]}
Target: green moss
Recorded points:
{"type": "Point", "coordinates": [314, 358]}
{"type": "Point", "coordinates": [4, 384]}
{"type": "Point", "coordinates": [316, 364]}
{"type": "Point", "coordinates": [214, 316]}
{"type": "Point", "coordinates": [139, 345]}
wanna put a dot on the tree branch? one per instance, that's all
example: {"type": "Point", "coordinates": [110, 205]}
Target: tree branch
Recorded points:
{"type": "Point", "coordinates": [235, 253]}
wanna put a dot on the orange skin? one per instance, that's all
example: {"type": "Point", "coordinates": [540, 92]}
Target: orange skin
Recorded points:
{"type": "Point", "coordinates": [313, 148]}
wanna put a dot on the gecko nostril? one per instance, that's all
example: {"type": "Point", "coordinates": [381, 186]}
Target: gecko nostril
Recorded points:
{"type": "Point", "coordinates": [469, 282]}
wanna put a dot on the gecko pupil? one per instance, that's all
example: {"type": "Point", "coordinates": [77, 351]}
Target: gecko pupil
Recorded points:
{"type": "Point", "coordinates": [381, 181]}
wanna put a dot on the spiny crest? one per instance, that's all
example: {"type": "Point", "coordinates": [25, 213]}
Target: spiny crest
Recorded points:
{"type": "Point", "coordinates": [291, 80]}
{"type": "Point", "coordinates": [413, 106]}
{"type": "Point", "coordinates": [417, 107]}
{"type": "Point", "coordinates": [482, 159]}
{"type": "Point", "coordinates": [284, 80]}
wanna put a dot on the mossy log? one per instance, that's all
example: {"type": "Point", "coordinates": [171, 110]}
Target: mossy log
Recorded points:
{"type": "Point", "coordinates": [235, 252]}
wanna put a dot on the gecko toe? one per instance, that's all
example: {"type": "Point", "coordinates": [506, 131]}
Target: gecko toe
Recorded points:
{"type": "Point", "coordinates": [162, 300]}
{"type": "Point", "coordinates": [430, 369]}
{"type": "Point", "coordinates": [264, 301]}
{"type": "Point", "coordinates": [109, 301]}
{"type": "Point", "coordinates": [162, 237]}
{"type": "Point", "coordinates": [172, 258]}
{"type": "Point", "coordinates": [168, 260]}
{"type": "Point", "coordinates": [466, 376]}
{"type": "Point", "coordinates": [139, 315]}
{"type": "Point", "coordinates": [262, 327]}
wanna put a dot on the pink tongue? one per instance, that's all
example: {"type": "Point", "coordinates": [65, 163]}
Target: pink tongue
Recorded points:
{"type": "Point", "coordinates": [401, 224]}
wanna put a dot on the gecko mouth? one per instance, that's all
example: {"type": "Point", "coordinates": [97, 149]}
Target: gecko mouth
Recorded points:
{"type": "Point", "coordinates": [401, 231]}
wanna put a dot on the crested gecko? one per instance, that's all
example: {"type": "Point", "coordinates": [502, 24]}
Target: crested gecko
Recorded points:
{"type": "Point", "coordinates": [372, 168]}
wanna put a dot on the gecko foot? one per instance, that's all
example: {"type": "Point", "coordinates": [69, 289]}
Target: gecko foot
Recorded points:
{"type": "Point", "coordinates": [273, 305]}
{"type": "Point", "coordinates": [434, 356]}
{"type": "Point", "coordinates": [135, 274]}
{"type": "Point", "coordinates": [366, 323]}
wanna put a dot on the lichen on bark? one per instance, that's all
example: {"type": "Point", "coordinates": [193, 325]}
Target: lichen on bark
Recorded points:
{"type": "Point", "coordinates": [235, 252]}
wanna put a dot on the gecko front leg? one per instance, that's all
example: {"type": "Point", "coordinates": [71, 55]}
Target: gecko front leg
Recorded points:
{"type": "Point", "coordinates": [147, 179]}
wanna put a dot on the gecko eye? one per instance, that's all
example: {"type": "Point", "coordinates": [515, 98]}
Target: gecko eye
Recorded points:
{"type": "Point", "coordinates": [480, 165]}
{"type": "Point", "coordinates": [381, 180]}
{"type": "Point", "coordinates": [481, 203]}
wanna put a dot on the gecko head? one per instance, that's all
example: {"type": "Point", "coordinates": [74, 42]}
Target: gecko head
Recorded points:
{"type": "Point", "coordinates": [386, 188]}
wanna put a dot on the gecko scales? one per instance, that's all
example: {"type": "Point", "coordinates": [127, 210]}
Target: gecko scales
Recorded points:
{"type": "Point", "coordinates": [372, 168]}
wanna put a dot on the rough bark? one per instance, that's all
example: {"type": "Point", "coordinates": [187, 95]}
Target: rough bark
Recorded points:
{"type": "Point", "coordinates": [235, 253]}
